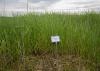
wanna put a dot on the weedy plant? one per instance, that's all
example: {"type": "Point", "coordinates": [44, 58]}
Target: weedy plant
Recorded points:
{"type": "Point", "coordinates": [30, 34]}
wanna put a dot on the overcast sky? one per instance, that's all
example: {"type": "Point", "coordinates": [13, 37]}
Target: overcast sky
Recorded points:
{"type": "Point", "coordinates": [48, 4]}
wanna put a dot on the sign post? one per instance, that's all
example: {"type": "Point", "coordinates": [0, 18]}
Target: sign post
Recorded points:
{"type": "Point", "coordinates": [55, 40]}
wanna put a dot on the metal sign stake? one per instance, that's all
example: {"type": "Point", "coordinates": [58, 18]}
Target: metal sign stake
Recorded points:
{"type": "Point", "coordinates": [56, 40]}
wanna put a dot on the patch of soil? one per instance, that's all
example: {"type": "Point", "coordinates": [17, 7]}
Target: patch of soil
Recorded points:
{"type": "Point", "coordinates": [53, 63]}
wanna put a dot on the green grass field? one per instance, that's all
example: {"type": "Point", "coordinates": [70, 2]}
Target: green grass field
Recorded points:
{"type": "Point", "coordinates": [30, 35]}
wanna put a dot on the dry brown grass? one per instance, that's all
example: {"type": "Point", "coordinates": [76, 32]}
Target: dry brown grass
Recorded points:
{"type": "Point", "coordinates": [51, 63]}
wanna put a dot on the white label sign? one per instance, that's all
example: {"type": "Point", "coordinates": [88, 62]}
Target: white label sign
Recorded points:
{"type": "Point", "coordinates": [55, 39]}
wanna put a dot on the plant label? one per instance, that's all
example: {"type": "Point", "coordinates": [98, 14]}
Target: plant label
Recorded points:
{"type": "Point", "coordinates": [55, 39]}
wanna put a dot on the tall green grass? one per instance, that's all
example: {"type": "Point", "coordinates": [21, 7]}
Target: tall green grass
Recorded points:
{"type": "Point", "coordinates": [31, 35]}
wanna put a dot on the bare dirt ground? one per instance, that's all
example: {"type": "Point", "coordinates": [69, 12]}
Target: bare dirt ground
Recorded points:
{"type": "Point", "coordinates": [49, 63]}
{"type": "Point", "coordinates": [56, 63]}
